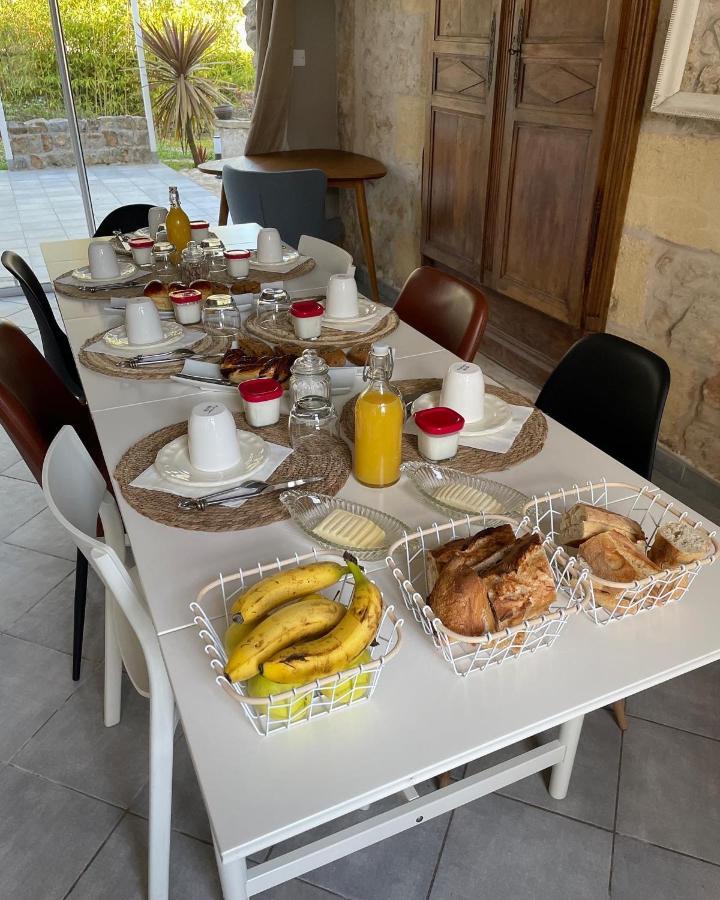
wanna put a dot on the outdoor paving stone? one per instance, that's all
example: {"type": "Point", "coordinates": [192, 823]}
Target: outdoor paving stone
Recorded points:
{"type": "Point", "coordinates": [670, 789]}
{"type": "Point", "coordinates": [663, 875]}
{"type": "Point", "coordinates": [689, 702]}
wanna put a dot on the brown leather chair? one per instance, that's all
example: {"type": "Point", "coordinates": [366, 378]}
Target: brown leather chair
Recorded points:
{"type": "Point", "coordinates": [443, 308]}
{"type": "Point", "coordinates": [34, 405]}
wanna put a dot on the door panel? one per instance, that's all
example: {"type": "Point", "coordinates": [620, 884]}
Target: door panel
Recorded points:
{"type": "Point", "coordinates": [560, 20]}
{"type": "Point", "coordinates": [466, 19]}
{"type": "Point", "coordinates": [567, 86]}
{"type": "Point", "coordinates": [461, 76]}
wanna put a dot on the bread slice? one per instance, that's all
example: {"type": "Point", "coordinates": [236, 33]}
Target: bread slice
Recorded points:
{"type": "Point", "coordinates": [613, 556]}
{"type": "Point", "coordinates": [583, 521]}
{"type": "Point", "coordinates": [459, 599]}
{"type": "Point", "coordinates": [521, 584]}
{"type": "Point", "coordinates": [474, 550]}
{"type": "Point", "coordinates": [678, 544]}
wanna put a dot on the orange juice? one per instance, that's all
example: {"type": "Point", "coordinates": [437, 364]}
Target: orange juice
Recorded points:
{"type": "Point", "coordinates": [177, 224]}
{"type": "Point", "coordinates": [379, 418]}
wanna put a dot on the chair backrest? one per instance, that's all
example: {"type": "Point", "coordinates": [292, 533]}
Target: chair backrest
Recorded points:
{"type": "Point", "coordinates": [35, 403]}
{"type": "Point", "coordinates": [612, 393]}
{"type": "Point", "coordinates": [76, 495]}
{"type": "Point", "coordinates": [56, 346]}
{"type": "Point", "coordinates": [293, 202]}
{"type": "Point", "coordinates": [328, 256]}
{"type": "Point", "coordinates": [124, 218]}
{"type": "Point", "coordinates": [443, 308]}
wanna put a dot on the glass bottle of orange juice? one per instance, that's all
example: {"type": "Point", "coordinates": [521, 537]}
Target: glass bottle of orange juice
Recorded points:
{"type": "Point", "coordinates": [177, 223]}
{"type": "Point", "coordinates": [379, 417]}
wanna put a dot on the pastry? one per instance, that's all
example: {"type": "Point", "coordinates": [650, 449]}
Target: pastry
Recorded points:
{"type": "Point", "coordinates": [237, 366]}
{"type": "Point", "coordinates": [460, 600]}
{"type": "Point", "coordinates": [333, 356]}
{"type": "Point", "coordinates": [358, 355]}
{"type": "Point", "coordinates": [278, 367]}
{"type": "Point", "coordinates": [678, 544]}
{"type": "Point", "coordinates": [614, 557]}
{"type": "Point", "coordinates": [158, 293]}
{"type": "Point", "coordinates": [253, 347]}
{"type": "Point", "coordinates": [520, 585]}
{"type": "Point", "coordinates": [583, 520]}
{"type": "Point", "coordinates": [202, 285]}
{"type": "Point", "coordinates": [246, 286]}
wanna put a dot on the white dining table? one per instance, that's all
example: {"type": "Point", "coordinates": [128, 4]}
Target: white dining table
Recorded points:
{"type": "Point", "coordinates": [422, 720]}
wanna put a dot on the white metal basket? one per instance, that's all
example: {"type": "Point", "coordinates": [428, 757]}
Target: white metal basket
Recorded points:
{"type": "Point", "coordinates": [608, 601]}
{"type": "Point", "coordinates": [473, 654]}
{"type": "Point", "coordinates": [299, 705]}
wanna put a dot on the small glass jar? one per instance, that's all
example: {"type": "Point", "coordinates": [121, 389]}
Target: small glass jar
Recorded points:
{"type": "Point", "coordinates": [312, 426]}
{"type": "Point", "coordinates": [272, 302]}
{"type": "Point", "coordinates": [307, 316]}
{"type": "Point", "coordinates": [216, 262]}
{"type": "Point", "coordinates": [161, 235]}
{"type": "Point", "coordinates": [221, 316]}
{"type": "Point", "coordinates": [186, 305]}
{"type": "Point", "coordinates": [211, 243]}
{"type": "Point", "coordinates": [193, 264]}
{"type": "Point", "coordinates": [309, 377]}
{"type": "Point", "coordinates": [162, 257]}
{"type": "Point", "coordinates": [438, 432]}
{"type": "Point", "coordinates": [261, 401]}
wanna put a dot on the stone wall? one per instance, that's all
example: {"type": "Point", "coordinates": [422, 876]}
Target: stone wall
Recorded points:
{"type": "Point", "coordinates": [41, 143]}
{"type": "Point", "coordinates": [666, 294]}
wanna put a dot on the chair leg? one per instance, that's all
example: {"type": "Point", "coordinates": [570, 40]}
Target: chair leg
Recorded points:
{"type": "Point", "coordinates": [618, 709]}
{"type": "Point", "coordinates": [113, 667]}
{"type": "Point", "coordinates": [162, 732]}
{"type": "Point", "coordinates": [444, 780]}
{"type": "Point", "coordinates": [81, 575]}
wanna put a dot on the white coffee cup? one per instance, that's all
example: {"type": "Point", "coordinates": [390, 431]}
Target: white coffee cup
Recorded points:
{"type": "Point", "coordinates": [103, 260]}
{"type": "Point", "coordinates": [156, 216]}
{"type": "Point", "coordinates": [464, 390]}
{"type": "Point", "coordinates": [342, 297]}
{"type": "Point", "coordinates": [142, 322]}
{"type": "Point", "coordinates": [269, 246]}
{"type": "Point", "coordinates": [212, 437]}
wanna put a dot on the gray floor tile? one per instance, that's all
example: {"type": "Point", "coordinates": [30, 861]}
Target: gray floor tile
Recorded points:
{"type": "Point", "coordinates": [19, 501]}
{"type": "Point", "coordinates": [643, 870]}
{"type": "Point", "coordinates": [689, 702]}
{"type": "Point", "coordinates": [24, 708]}
{"type": "Point", "coordinates": [505, 850]}
{"type": "Point", "coordinates": [108, 763]}
{"type": "Point", "coordinates": [8, 452]}
{"type": "Point", "coordinates": [670, 789]}
{"type": "Point", "coordinates": [25, 578]}
{"type": "Point", "coordinates": [593, 787]}
{"type": "Point", "coordinates": [20, 469]}
{"type": "Point", "coordinates": [50, 622]}
{"type": "Point", "coordinates": [395, 869]}
{"type": "Point", "coordinates": [297, 890]}
{"type": "Point", "coordinates": [48, 834]}
{"type": "Point", "coordinates": [44, 534]}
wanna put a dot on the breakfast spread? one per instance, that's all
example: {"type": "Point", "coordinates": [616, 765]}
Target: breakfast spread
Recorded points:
{"type": "Point", "coordinates": [350, 530]}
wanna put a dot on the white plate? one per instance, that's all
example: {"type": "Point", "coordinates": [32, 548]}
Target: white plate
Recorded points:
{"type": "Point", "coordinates": [117, 337]}
{"type": "Point", "coordinates": [128, 271]}
{"type": "Point", "coordinates": [497, 413]}
{"type": "Point", "coordinates": [289, 255]}
{"type": "Point", "coordinates": [173, 463]}
{"type": "Point", "coordinates": [366, 309]}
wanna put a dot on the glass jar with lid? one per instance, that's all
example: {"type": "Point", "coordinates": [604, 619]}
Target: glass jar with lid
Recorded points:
{"type": "Point", "coordinates": [215, 257]}
{"type": "Point", "coordinates": [272, 302]}
{"type": "Point", "coordinates": [312, 426]}
{"type": "Point", "coordinates": [309, 377]}
{"type": "Point", "coordinates": [162, 255]}
{"type": "Point", "coordinates": [193, 264]}
{"type": "Point", "coordinates": [220, 316]}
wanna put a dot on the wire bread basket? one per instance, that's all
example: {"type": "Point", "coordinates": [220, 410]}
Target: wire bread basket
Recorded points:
{"type": "Point", "coordinates": [608, 601]}
{"type": "Point", "coordinates": [299, 705]}
{"type": "Point", "coordinates": [465, 654]}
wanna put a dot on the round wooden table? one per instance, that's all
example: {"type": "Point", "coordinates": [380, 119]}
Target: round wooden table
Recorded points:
{"type": "Point", "coordinates": [342, 170]}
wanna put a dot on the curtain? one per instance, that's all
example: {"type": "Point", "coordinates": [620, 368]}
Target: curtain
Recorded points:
{"type": "Point", "coordinates": [275, 39]}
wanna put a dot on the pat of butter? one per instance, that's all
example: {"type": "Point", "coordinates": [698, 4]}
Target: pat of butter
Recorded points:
{"type": "Point", "coordinates": [468, 499]}
{"type": "Point", "coordinates": [350, 530]}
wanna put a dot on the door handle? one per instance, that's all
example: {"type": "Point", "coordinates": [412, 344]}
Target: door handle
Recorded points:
{"type": "Point", "coordinates": [491, 52]}
{"type": "Point", "coordinates": [516, 47]}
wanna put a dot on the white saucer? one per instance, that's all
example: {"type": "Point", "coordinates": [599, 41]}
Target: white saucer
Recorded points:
{"type": "Point", "coordinates": [497, 413]}
{"type": "Point", "coordinates": [117, 337]}
{"type": "Point", "coordinates": [366, 310]}
{"type": "Point", "coordinates": [128, 271]}
{"type": "Point", "coordinates": [289, 255]}
{"type": "Point", "coordinates": [173, 463]}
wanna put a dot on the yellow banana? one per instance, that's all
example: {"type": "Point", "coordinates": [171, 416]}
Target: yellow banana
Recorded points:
{"type": "Point", "coordinates": [308, 618]}
{"type": "Point", "coordinates": [258, 600]}
{"type": "Point", "coordinates": [334, 652]}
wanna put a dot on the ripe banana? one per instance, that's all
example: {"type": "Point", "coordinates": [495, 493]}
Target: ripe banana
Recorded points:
{"type": "Point", "coordinates": [332, 653]}
{"type": "Point", "coordinates": [308, 618]}
{"type": "Point", "coordinates": [258, 600]}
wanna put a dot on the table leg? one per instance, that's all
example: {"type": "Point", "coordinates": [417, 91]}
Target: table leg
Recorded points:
{"type": "Point", "coordinates": [233, 878]}
{"type": "Point", "coordinates": [223, 213]}
{"type": "Point", "coordinates": [561, 772]}
{"type": "Point", "coordinates": [361, 202]}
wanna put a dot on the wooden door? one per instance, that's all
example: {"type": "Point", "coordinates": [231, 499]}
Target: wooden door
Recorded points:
{"type": "Point", "coordinates": [459, 131]}
{"type": "Point", "coordinates": [560, 73]}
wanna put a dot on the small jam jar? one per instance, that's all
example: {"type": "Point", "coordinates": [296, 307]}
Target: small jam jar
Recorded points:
{"type": "Point", "coordinates": [307, 318]}
{"type": "Point", "coordinates": [238, 263]}
{"type": "Point", "coordinates": [261, 401]}
{"type": "Point", "coordinates": [186, 305]}
{"type": "Point", "coordinates": [199, 230]}
{"type": "Point", "coordinates": [141, 248]}
{"type": "Point", "coordinates": [438, 432]}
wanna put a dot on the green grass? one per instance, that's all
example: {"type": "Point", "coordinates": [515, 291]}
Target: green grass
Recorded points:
{"type": "Point", "coordinates": [3, 161]}
{"type": "Point", "coordinates": [173, 155]}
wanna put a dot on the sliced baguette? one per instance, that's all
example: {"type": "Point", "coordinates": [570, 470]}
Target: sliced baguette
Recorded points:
{"type": "Point", "coordinates": [521, 584]}
{"type": "Point", "coordinates": [613, 556]}
{"type": "Point", "coordinates": [583, 521]}
{"type": "Point", "coordinates": [474, 550]}
{"type": "Point", "coordinates": [678, 544]}
{"type": "Point", "coordinates": [459, 599]}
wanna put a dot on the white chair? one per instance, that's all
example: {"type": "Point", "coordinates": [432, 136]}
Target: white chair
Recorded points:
{"type": "Point", "coordinates": [327, 256]}
{"type": "Point", "coordinates": [76, 494]}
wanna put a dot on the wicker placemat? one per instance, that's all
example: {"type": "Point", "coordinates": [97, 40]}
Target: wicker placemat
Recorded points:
{"type": "Point", "coordinates": [526, 445]}
{"type": "Point", "coordinates": [281, 332]}
{"type": "Point", "coordinates": [105, 364]}
{"type": "Point", "coordinates": [161, 507]}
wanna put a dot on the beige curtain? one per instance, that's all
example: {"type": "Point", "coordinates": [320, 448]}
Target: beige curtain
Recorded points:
{"type": "Point", "coordinates": [275, 39]}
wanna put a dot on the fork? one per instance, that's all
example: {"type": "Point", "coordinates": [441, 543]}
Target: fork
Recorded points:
{"type": "Point", "coordinates": [251, 488]}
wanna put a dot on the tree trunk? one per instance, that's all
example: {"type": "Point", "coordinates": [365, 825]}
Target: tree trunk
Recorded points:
{"type": "Point", "coordinates": [191, 144]}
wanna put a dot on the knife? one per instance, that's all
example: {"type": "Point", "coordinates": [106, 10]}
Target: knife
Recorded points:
{"type": "Point", "coordinates": [219, 497]}
{"type": "Point", "coordinates": [203, 379]}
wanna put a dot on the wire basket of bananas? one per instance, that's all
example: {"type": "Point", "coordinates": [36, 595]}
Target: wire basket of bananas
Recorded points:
{"type": "Point", "coordinates": [300, 638]}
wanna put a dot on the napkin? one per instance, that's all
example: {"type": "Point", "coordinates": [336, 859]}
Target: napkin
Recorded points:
{"type": "Point", "coordinates": [150, 480]}
{"type": "Point", "coordinates": [190, 336]}
{"type": "Point", "coordinates": [498, 441]}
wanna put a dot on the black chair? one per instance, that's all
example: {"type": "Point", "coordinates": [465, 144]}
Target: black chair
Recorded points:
{"type": "Point", "coordinates": [124, 218]}
{"type": "Point", "coordinates": [56, 346]}
{"type": "Point", "coordinates": [612, 393]}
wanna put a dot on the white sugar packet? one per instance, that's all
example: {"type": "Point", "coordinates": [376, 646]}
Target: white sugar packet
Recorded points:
{"type": "Point", "coordinates": [498, 442]}
{"type": "Point", "coordinates": [190, 336]}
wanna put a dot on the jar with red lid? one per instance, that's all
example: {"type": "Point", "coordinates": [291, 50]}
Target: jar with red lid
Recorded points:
{"type": "Point", "coordinates": [237, 263]}
{"type": "Point", "coordinates": [141, 249]}
{"type": "Point", "coordinates": [186, 305]}
{"type": "Point", "coordinates": [306, 316]}
{"type": "Point", "coordinates": [199, 230]}
{"type": "Point", "coordinates": [261, 401]}
{"type": "Point", "coordinates": [438, 432]}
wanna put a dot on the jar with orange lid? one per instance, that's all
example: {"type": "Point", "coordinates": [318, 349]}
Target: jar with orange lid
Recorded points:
{"type": "Point", "coordinates": [379, 419]}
